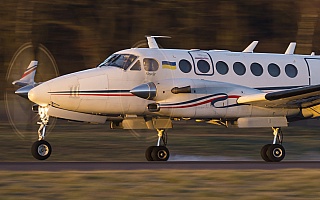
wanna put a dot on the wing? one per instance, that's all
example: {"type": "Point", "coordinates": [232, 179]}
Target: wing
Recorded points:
{"type": "Point", "coordinates": [302, 97]}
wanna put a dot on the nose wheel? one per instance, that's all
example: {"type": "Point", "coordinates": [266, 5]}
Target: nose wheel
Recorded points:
{"type": "Point", "coordinates": [274, 152]}
{"type": "Point", "coordinates": [159, 152]}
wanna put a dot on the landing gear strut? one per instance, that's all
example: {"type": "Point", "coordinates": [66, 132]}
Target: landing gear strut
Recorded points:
{"type": "Point", "coordinates": [159, 152]}
{"type": "Point", "coordinates": [274, 152]}
{"type": "Point", "coordinates": [41, 149]}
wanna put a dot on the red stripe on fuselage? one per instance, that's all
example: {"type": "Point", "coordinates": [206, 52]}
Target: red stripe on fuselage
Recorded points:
{"type": "Point", "coordinates": [200, 103]}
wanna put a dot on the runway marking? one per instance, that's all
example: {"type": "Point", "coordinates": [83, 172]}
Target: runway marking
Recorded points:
{"type": "Point", "coordinates": [184, 165]}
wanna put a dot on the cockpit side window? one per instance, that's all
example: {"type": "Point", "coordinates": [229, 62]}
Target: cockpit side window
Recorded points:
{"type": "Point", "coordinates": [150, 64]}
{"type": "Point", "coordinates": [119, 60]}
{"type": "Point", "coordinates": [136, 66]}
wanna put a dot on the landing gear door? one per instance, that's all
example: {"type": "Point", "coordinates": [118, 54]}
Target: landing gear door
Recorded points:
{"type": "Point", "coordinates": [202, 62]}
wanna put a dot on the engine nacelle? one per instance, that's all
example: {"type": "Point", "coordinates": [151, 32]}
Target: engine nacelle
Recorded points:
{"type": "Point", "coordinates": [164, 89]}
{"type": "Point", "coordinates": [172, 88]}
{"type": "Point", "coordinates": [200, 97]}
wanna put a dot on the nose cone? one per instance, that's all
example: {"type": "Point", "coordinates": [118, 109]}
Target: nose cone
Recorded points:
{"type": "Point", "coordinates": [40, 94]}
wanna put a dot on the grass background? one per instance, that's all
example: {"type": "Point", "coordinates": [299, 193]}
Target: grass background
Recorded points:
{"type": "Point", "coordinates": [169, 184]}
{"type": "Point", "coordinates": [187, 141]}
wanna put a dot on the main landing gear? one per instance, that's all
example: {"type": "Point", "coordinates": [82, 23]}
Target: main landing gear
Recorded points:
{"type": "Point", "coordinates": [274, 152]}
{"type": "Point", "coordinates": [159, 152]}
{"type": "Point", "coordinates": [41, 149]}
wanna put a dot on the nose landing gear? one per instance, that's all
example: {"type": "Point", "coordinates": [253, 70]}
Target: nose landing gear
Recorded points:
{"type": "Point", "coordinates": [274, 152]}
{"type": "Point", "coordinates": [159, 152]}
{"type": "Point", "coordinates": [41, 149]}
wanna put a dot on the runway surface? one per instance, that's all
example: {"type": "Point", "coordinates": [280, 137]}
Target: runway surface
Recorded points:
{"type": "Point", "coordinates": [215, 165]}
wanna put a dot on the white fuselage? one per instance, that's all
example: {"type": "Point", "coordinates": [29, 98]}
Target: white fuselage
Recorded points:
{"type": "Point", "coordinates": [216, 78]}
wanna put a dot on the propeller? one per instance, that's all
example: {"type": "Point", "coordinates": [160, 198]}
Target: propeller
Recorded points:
{"type": "Point", "coordinates": [19, 110]}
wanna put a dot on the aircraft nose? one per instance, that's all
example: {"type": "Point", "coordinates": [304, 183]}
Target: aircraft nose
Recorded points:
{"type": "Point", "coordinates": [40, 94]}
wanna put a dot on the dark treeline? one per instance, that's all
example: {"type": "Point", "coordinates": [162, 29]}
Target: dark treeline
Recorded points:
{"type": "Point", "coordinates": [82, 33]}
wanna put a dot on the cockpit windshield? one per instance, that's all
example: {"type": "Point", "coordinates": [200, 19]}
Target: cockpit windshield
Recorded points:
{"type": "Point", "coordinates": [119, 60]}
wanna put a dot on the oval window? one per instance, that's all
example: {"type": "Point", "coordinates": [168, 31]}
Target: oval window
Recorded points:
{"type": "Point", "coordinates": [291, 70]}
{"type": "Point", "coordinates": [274, 70]}
{"type": "Point", "coordinates": [256, 69]}
{"type": "Point", "coordinates": [150, 64]}
{"type": "Point", "coordinates": [239, 68]}
{"type": "Point", "coordinates": [222, 67]}
{"type": "Point", "coordinates": [185, 66]}
{"type": "Point", "coordinates": [203, 66]}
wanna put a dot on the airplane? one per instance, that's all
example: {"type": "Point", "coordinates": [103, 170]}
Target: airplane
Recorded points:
{"type": "Point", "coordinates": [148, 88]}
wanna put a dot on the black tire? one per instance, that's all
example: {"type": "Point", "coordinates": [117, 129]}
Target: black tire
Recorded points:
{"type": "Point", "coordinates": [160, 153]}
{"type": "Point", "coordinates": [148, 153]}
{"type": "Point", "coordinates": [276, 152]}
{"type": "Point", "coordinates": [263, 152]}
{"type": "Point", "coordinates": [41, 150]}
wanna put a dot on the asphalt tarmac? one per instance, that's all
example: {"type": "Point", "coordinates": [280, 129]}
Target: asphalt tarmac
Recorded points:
{"type": "Point", "coordinates": [185, 165]}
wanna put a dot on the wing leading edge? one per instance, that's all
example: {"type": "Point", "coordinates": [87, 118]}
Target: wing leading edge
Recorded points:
{"type": "Point", "coordinates": [302, 97]}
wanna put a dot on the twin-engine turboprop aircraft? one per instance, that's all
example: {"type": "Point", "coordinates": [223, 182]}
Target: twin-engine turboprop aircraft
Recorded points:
{"type": "Point", "coordinates": [147, 88]}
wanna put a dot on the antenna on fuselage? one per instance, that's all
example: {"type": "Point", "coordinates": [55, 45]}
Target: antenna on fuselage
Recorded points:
{"type": "Point", "coordinates": [251, 47]}
{"type": "Point", "coordinates": [152, 43]}
{"type": "Point", "coordinates": [291, 48]}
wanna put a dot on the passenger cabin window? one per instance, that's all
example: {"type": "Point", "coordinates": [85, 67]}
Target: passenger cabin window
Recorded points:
{"type": "Point", "coordinates": [291, 70]}
{"type": "Point", "coordinates": [122, 61]}
{"type": "Point", "coordinates": [222, 67]}
{"type": "Point", "coordinates": [203, 66]}
{"type": "Point", "coordinates": [256, 69]}
{"type": "Point", "coordinates": [150, 64]}
{"type": "Point", "coordinates": [274, 70]}
{"type": "Point", "coordinates": [239, 68]}
{"type": "Point", "coordinates": [136, 66]}
{"type": "Point", "coordinates": [185, 66]}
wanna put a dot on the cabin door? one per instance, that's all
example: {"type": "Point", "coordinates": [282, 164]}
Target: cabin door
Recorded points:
{"type": "Point", "coordinates": [202, 62]}
{"type": "Point", "coordinates": [314, 69]}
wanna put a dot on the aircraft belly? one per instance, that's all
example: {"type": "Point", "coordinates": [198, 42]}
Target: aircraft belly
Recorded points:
{"type": "Point", "coordinates": [66, 102]}
{"type": "Point", "coordinates": [138, 106]}
{"type": "Point", "coordinates": [238, 111]}
{"type": "Point", "coordinates": [178, 112]}
{"type": "Point", "coordinates": [117, 105]}
{"type": "Point", "coordinates": [92, 105]}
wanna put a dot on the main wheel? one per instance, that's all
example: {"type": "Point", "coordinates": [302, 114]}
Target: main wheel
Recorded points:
{"type": "Point", "coordinates": [160, 153]}
{"type": "Point", "coordinates": [41, 150]}
{"type": "Point", "coordinates": [276, 152]}
{"type": "Point", "coordinates": [148, 153]}
{"type": "Point", "coordinates": [263, 152]}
